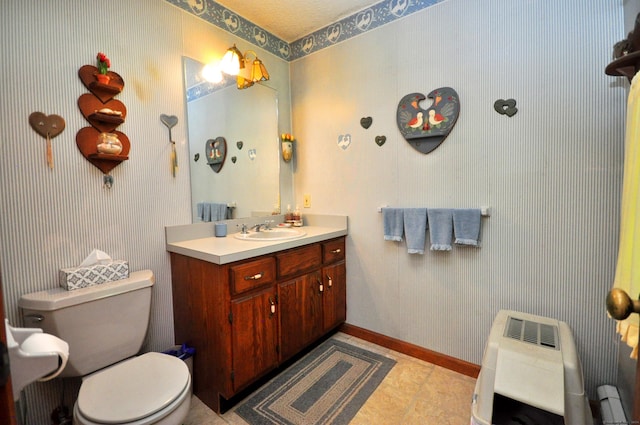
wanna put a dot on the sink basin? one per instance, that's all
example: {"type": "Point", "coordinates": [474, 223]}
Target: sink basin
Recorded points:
{"type": "Point", "coordinates": [271, 235]}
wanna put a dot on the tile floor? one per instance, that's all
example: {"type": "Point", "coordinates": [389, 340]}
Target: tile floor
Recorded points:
{"type": "Point", "coordinates": [414, 392]}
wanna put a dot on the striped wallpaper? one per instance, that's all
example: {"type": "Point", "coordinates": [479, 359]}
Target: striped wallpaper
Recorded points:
{"type": "Point", "coordinates": [551, 173]}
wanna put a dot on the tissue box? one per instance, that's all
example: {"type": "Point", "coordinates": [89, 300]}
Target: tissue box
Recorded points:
{"type": "Point", "coordinates": [85, 276]}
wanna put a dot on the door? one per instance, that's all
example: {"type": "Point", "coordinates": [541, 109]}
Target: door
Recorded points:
{"type": "Point", "coordinates": [334, 301]}
{"type": "Point", "coordinates": [254, 336]}
{"type": "Point", "coordinates": [7, 410]}
{"type": "Point", "coordinates": [300, 303]}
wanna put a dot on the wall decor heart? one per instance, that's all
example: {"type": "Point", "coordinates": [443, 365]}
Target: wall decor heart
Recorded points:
{"type": "Point", "coordinates": [46, 125]}
{"type": "Point", "coordinates": [101, 91]}
{"type": "Point", "coordinates": [505, 107]}
{"type": "Point", "coordinates": [105, 121]}
{"type": "Point", "coordinates": [216, 153]}
{"type": "Point", "coordinates": [239, 145]}
{"type": "Point", "coordinates": [344, 140]}
{"type": "Point", "coordinates": [87, 141]}
{"type": "Point", "coordinates": [169, 120]}
{"type": "Point", "coordinates": [196, 157]}
{"type": "Point", "coordinates": [365, 122]}
{"type": "Point", "coordinates": [380, 140]}
{"type": "Point", "coordinates": [426, 129]}
{"type": "Point", "coordinates": [234, 159]}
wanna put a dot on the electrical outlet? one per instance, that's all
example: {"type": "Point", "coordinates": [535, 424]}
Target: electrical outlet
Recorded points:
{"type": "Point", "coordinates": [307, 201]}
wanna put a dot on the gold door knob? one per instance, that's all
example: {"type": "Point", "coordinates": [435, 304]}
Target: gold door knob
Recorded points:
{"type": "Point", "coordinates": [620, 305]}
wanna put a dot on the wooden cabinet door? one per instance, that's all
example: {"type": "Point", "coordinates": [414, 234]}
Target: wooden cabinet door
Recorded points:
{"type": "Point", "coordinates": [300, 302]}
{"type": "Point", "coordinates": [254, 336]}
{"type": "Point", "coordinates": [334, 301]}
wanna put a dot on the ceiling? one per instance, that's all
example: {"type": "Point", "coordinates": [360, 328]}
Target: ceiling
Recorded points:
{"type": "Point", "coordinates": [291, 20]}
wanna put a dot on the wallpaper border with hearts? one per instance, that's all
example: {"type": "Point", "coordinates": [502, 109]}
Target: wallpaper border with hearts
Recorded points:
{"type": "Point", "coordinates": [366, 20]}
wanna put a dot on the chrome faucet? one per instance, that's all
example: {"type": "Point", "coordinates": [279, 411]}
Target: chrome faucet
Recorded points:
{"type": "Point", "coordinates": [257, 227]}
{"type": "Point", "coordinates": [243, 228]}
{"type": "Point", "coordinates": [263, 226]}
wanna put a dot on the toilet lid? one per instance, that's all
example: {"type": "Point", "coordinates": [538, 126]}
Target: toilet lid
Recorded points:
{"type": "Point", "coordinates": [133, 389]}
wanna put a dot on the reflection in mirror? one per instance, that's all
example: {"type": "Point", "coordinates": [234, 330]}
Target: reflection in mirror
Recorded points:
{"type": "Point", "coordinates": [248, 121]}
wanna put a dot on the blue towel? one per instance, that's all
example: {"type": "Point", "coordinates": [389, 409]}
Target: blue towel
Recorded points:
{"type": "Point", "coordinates": [218, 212]}
{"type": "Point", "coordinates": [440, 228]}
{"type": "Point", "coordinates": [466, 225]}
{"type": "Point", "coordinates": [200, 211]}
{"type": "Point", "coordinates": [206, 212]}
{"type": "Point", "coordinates": [393, 222]}
{"type": "Point", "coordinates": [415, 229]}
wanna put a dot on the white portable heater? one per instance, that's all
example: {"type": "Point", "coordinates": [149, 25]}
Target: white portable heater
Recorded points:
{"type": "Point", "coordinates": [530, 374]}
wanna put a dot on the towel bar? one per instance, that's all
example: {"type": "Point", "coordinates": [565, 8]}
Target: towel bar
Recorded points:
{"type": "Point", "coordinates": [485, 211]}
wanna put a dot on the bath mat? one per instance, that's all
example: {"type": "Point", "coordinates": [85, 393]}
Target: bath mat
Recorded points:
{"type": "Point", "coordinates": [327, 386]}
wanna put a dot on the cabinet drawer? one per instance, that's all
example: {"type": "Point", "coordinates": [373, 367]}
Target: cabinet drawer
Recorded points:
{"type": "Point", "coordinates": [299, 260]}
{"type": "Point", "coordinates": [253, 274]}
{"type": "Point", "coordinates": [333, 251]}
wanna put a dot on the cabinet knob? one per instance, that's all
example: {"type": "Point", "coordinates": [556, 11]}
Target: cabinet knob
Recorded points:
{"type": "Point", "coordinates": [254, 277]}
{"type": "Point", "coordinates": [336, 251]}
{"type": "Point", "coordinates": [330, 283]}
{"type": "Point", "coordinates": [272, 307]}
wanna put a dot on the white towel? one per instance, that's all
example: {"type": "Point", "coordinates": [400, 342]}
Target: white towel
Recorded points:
{"type": "Point", "coordinates": [393, 222]}
{"type": "Point", "coordinates": [440, 228]}
{"type": "Point", "coordinates": [415, 229]}
{"type": "Point", "coordinates": [466, 226]}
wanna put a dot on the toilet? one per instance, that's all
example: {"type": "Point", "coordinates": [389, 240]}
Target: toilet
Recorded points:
{"type": "Point", "coordinates": [105, 326]}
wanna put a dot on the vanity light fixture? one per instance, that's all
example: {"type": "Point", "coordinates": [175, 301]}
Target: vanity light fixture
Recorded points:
{"type": "Point", "coordinates": [235, 63]}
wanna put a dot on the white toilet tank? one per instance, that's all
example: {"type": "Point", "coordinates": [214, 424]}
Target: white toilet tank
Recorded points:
{"type": "Point", "coordinates": [102, 324]}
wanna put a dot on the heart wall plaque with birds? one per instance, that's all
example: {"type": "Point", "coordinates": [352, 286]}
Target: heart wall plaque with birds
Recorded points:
{"type": "Point", "coordinates": [426, 129]}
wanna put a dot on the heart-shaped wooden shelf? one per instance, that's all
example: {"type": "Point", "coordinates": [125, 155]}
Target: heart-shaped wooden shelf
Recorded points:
{"type": "Point", "coordinates": [104, 122]}
{"type": "Point", "coordinates": [104, 92]}
{"type": "Point", "coordinates": [87, 141]}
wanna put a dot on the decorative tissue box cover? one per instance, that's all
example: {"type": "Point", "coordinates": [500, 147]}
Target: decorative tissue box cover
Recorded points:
{"type": "Point", "coordinates": [82, 277]}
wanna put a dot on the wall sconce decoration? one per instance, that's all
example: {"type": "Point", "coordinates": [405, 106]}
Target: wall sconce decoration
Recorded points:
{"type": "Point", "coordinates": [287, 140]}
{"type": "Point", "coordinates": [247, 71]}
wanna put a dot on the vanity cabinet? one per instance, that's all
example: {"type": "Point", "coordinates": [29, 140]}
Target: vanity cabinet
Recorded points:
{"type": "Point", "coordinates": [248, 317]}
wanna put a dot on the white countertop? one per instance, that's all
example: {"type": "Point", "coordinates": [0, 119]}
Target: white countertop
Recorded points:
{"type": "Point", "coordinates": [229, 249]}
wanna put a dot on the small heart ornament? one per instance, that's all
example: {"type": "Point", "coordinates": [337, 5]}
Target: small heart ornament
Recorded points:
{"type": "Point", "coordinates": [380, 140]}
{"type": "Point", "coordinates": [344, 141]}
{"type": "Point", "coordinates": [505, 107]}
{"type": "Point", "coordinates": [365, 122]}
{"type": "Point", "coordinates": [234, 159]}
{"type": "Point", "coordinates": [239, 145]}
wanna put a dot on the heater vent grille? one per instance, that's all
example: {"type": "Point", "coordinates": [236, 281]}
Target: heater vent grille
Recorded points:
{"type": "Point", "coordinates": [531, 332]}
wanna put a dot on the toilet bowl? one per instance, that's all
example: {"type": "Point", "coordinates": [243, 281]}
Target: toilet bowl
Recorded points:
{"type": "Point", "coordinates": [105, 326]}
{"type": "Point", "coordinates": [153, 388]}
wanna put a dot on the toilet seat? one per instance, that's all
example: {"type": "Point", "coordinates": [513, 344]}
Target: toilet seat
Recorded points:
{"type": "Point", "coordinates": [148, 385]}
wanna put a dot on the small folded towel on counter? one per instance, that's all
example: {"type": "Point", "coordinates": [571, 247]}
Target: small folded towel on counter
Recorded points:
{"type": "Point", "coordinates": [440, 228]}
{"type": "Point", "coordinates": [466, 226]}
{"type": "Point", "coordinates": [415, 229]}
{"type": "Point", "coordinates": [393, 221]}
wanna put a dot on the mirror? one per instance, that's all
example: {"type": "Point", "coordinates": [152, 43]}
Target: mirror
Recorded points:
{"type": "Point", "coordinates": [248, 121]}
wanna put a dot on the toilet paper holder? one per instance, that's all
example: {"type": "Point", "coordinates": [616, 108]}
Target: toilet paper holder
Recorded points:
{"type": "Point", "coordinates": [33, 356]}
